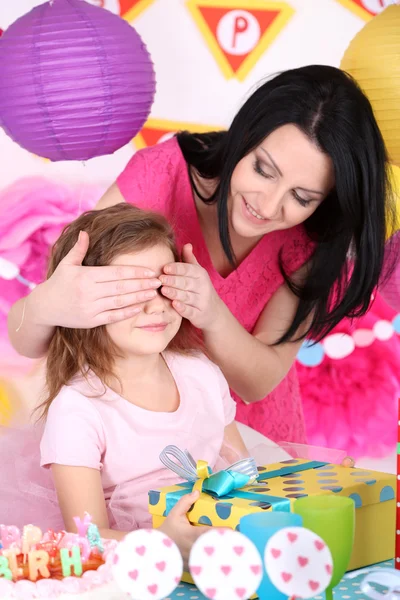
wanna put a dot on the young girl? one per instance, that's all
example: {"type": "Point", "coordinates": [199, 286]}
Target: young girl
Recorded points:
{"type": "Point", "coordinates": [119, 393]}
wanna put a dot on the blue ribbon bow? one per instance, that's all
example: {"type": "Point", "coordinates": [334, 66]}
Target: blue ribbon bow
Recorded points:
{"type": "Point", "coordinates": [241, 473]}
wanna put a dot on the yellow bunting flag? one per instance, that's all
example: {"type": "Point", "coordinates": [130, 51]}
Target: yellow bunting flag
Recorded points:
{"type": "Point", "coordinates": [128, 9]}
{"type": "Point", "coordinates": [238, 32]}
{"type": "Point", "coordinates": [395, 181]}
{"type": "Point", "coordinates": [365, 9]}
{"type": "Point", "coordinates": [131, 9]}
{"type": "Point", "coordinates": [156, 131]}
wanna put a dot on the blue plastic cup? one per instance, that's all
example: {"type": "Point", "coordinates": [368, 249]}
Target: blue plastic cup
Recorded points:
{"type": "Point", "coordinates": [259, 528]}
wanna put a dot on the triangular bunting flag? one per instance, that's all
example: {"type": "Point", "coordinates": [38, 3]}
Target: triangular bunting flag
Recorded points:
{"type": "Point", "coordinates": [131, 9]}
{"type": "Point", "coordinates": [365, 9]}
{"type": "Point", "coordinates": [149, 136]}
{"type": "Point", "coordinates": [239, 31]}
{"type": "Point", "coordinates": [156, 131]}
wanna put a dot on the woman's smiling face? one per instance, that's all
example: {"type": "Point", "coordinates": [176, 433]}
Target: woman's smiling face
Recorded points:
{"type": "Point", "coordinates": [279, 184]}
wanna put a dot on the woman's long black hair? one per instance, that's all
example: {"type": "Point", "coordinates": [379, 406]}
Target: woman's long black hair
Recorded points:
{"type": "Point", "coordinates": [328, 106]}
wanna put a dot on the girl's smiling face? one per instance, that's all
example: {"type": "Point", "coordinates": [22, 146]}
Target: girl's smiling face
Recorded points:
{"type": "Point", "coordinates": [150, 331]}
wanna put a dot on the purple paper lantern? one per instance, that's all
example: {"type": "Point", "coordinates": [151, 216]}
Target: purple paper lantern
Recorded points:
{"type": "Point", "coordinates": [76, 81]}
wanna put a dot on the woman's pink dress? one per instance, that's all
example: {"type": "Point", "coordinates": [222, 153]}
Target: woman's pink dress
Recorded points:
{"type": "Point", "coordinates": [156, 178]}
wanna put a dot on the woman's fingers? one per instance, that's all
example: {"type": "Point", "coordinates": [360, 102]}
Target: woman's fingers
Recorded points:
{"type": "Point", "coordinates": [189, 312]}
{"type": "Point", "coordinates": [183, 269]}
{"type": "Point", "coordinates": [188, 298]}
{"type": "Point", "coordinates": [113, 316]}
{"type": "Point", "coordinates": [180, 282]}
{"type": "Point", "coordinates": [123, 300]}
{"type": "Point", "coordinates": [125, 286]}
{"type": "Point", "coordinates": [117, 272]}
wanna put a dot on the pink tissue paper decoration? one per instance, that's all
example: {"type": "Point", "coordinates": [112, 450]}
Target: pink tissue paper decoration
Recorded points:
{"type": "Point", "coordinates": [351, 403]}
{"type": "Point", "coordinates": [33, 211]}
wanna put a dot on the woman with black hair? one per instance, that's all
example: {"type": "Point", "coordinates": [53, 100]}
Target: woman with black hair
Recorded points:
{"type": "Point", "coordinates": [282, 222]}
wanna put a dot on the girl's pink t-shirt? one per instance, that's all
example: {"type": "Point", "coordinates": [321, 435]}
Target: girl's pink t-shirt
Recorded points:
{"type": "Point", "coordinates": [90, 425]}
{"type": "Point", "coordinates": [156, 178]}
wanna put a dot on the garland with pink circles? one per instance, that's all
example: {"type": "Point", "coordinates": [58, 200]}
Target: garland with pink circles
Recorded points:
{"type": "Point", "coordinates": [341, 345]}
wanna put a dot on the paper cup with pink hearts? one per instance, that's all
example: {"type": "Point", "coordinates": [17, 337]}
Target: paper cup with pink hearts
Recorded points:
{"type": "Point", "coordinates": [147, 565]}
{"type": "Point", "coordinates": [298, 562]}
{"type": "Point", "coordinates": [225, 565]}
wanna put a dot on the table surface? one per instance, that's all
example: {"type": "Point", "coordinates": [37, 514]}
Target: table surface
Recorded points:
{"type": "Point", "coordinates": [347, 589]}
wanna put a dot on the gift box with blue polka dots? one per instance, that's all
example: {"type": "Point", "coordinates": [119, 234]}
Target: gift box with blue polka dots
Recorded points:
{"type": "Point", "coordinates": [280, 485]}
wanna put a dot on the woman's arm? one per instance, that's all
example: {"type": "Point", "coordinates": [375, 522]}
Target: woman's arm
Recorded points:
{"type": "Point", "coordinates": [252, 365]}
{"type": "Point", "coordinates": [75, 296]}
{"type": "Point", "coordinates": [111, 197]}
{"type": "Point", "coordinates": [27, 329]}
{"type": "Point", "coordinates": [79, 490]}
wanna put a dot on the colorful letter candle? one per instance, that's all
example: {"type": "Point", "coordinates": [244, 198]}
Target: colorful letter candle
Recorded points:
{"type": "Point", "coordinates": [11, 554]}
{"type": "Point", "coordinates": [71, 558]}
{"type": "Point", "coordinates": [31, 535]}
{"type": "Point", "coordinates": [4, 570]}
{"type": "Point", "coordinates": [93, 535]}
{"type": "Point", "coordinates": [51, 566]}
{"type": "Point", "coordinates": [82, 525]}
{"type": "Point", "coordinates": [10, 535]}
{"type": "Point", "coordinates": [38, 561]}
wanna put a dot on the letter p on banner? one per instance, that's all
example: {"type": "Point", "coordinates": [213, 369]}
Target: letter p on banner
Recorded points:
{"type": "Point", "coordinates": [238, 32]}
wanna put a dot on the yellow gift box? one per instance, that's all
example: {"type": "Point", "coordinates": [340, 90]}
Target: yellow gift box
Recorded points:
{"type": "Point", "coordinates": [278, 487]}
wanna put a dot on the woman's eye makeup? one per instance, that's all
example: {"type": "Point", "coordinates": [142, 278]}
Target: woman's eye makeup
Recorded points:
{"type": "Point", "coordinates": [302, 201]}
{"type": "Point", "coordinates": [262, 169]}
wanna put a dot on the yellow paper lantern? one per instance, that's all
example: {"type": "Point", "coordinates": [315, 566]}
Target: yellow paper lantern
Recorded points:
{"type": "Point", "coordinates": [373, 59]}
{"type": "Point", "coordinates": [395, 181]}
